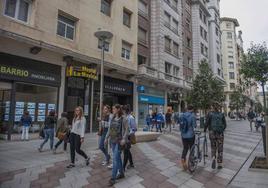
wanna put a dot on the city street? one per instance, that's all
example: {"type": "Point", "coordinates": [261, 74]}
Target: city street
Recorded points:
{"type": "Point", "coordinates": [156, 164]}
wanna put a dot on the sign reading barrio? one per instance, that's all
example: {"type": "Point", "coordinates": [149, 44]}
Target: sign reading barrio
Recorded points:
{"type": "Point", "coordinates": [81, 71]}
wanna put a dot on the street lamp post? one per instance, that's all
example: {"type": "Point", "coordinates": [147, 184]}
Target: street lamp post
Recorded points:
{"type": "Point", "coordinates": [102, 36]}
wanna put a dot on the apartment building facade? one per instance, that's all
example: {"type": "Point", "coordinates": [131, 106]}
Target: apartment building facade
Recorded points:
{"type": "Point", "coordinates": [161, 84]}
{"type": "Point", "coordinates": [200, 29]}
{"type": "Point", "coordinates": [50, 57]}
{"type": "Point", "coordinates": [229, 57]}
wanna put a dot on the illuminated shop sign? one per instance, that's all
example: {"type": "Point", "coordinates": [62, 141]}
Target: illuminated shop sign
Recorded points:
{"type": "Point", "coordinates": [81, 71]}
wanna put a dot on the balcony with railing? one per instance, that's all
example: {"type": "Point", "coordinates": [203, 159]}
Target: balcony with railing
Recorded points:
{"type": "Point", "coordinates": [143, 14]}
{"type": "Point", "coordinates": [172, 5]}
{"type": "Point", "coordinates": [147, 71]}
{"type": "Point", "coordinates": [167, 24]}
{"type": "Point", "coordinates": [175, 30]}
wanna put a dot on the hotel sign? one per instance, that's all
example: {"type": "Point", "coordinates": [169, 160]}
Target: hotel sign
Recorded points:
{"type": "Point", "coordinates": [82, 72]}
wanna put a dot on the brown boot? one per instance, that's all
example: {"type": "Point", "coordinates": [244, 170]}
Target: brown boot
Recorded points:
{"type": "Point", "coordinates": [184, 165]}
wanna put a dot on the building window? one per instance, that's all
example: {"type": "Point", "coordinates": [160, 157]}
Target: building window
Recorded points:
{"type": "Point", "coordinates": [143, 7]}
{"type": "Point", "coordinates": [142, 35]}
{"type": "Point", "coordinates": [229, 35]}
{"type": "Point", "coordinates": [205, 35]}
{"type": "Point", "coordinates": [231, 65]}
{"type": "Point", "coordinates": [218, 58]}
{"type": "Point", "coordinates": [66, 27]}
{"type": "Point", "coordinates": [206, 51]}
{"type": "Point", "coordinates": [217, 31]}
{"type": "Point", "coordinates": [231, 75]}
{"type": "Point", "coordinates": [126, 17]}
{"type": "Point", "coordinates": [231, 57]}
{"type": "Point", "coordinates": [200, 14]}
{"type": "Point", "coordinates": [202, 48]}
{"type": "Point", "coordinates": [176, 71]}
{"type": "Point", "coordinates": [167, 20]}
{"type": "Point", "coordinates": [18, 9]}
{"type": "Point", "coordinates": [126, 50]}
{"type": "Point", "coordinates": [201, 31]}
{"type": "Point", "coordinates": [141, 60]}
{"type": "Point", "coordinates": [228, 25]}
{"type": "Point", "coordinates": [167, 68]}
{"type": "Point", "coordinates": [106, 7]}
{"type": "Point", "coordinates": [230, 47]}
{"type": "Point", "coordinates": [205, 19]}
{"type": "Point", "coordinates": [175, 26]}
{"type": "Point", "coordinates": [219, 72]}
{"type": "Point", "coordinates": [106, 45]}
{"type": "Point", "coordinates": [232, 86]}
{"type": "Point", "coordinates": [189, 42]}
{"type": "Point", "coordinates": [176, 49]}
{"type": "Point", "coordinates": [167, 45]}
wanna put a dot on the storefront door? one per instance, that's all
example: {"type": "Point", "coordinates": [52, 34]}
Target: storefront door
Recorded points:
{"type": "Point", "coordinates": [5, 95]}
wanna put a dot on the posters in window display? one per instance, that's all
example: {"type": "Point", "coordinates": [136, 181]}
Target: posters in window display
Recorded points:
{"type": "Point", "coordinates": [41, 105]}
{"type": "Point", "coordinates": [19, 111]}
{"type": "Point", "coordinates": [41, 112]}
{"type": "Point", "coordinates": [41, 118]}
{"type": "Point", "coordinates": [19, 104]}
{"type": "Point", "coordinates": [17, 118]}
{"type": "Point", "coordinates": [31, 105]}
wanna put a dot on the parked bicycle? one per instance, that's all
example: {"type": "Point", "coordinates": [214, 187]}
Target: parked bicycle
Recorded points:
{"type": "Point", "coordinates": [196, 154]}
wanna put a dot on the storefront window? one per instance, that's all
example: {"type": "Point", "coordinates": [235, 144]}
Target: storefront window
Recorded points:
{"type": "Point", "coordinates": [5, 94]}
{"type": "Point", "coordinates": [37, 100]}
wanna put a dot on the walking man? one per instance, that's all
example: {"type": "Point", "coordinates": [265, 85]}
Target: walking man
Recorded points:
{"type": "Point", "coordinates": [216, 124]}
{"type": "Point", "coordinates": [251, 116]}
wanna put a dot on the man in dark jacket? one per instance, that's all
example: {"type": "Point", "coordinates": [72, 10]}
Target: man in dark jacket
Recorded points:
{"type": "Point", "coordinates": [251, 116]}
{"type": "Point", "coordinates": [216, 124]}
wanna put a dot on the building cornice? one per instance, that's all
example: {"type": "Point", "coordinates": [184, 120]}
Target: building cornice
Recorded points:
{"type": "Point", "coordinates": [226, 19]}
{"type": "Point", "coordinates": [203, 7]}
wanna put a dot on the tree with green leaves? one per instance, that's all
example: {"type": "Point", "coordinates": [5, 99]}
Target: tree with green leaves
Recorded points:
{"type": "Point", "coordinates": [255, 67]}
{"type": "Point", "coordinates": [206, 89]}
{"type": "Point", "coordinates": [237, 100]}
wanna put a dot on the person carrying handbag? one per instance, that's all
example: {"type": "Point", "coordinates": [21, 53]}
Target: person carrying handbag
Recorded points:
{"type": "Point", "coordinates": [118, 133]}
{"type": "Point", "coordinates": [62, 131]}
{"type": "Point", "coordinates": [131, 138]}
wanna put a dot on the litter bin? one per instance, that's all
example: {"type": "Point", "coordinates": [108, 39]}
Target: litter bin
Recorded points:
{"type": "Point", "coordinates": [202, 122]}
{"type": "Point", "coordinates": [263, 131]}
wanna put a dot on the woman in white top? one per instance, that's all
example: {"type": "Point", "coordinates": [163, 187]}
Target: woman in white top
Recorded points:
{"type": "Point", "coordinates": [77, 136]}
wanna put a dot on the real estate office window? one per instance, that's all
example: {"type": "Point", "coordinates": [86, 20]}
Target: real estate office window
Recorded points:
{"type": "Point", "coordinates": [18, 9]}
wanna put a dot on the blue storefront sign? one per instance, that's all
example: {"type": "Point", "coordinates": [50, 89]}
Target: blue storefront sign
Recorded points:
{"type": "Point", "coordinates": [151, 99]}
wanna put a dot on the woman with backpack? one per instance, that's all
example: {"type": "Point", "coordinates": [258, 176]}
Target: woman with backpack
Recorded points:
{"type": "Point", "coordinates": [62, 131]}
{"type": "Point", "coordinates": [49, 126]}
{"type": "Point", "coordinates": [117, 133]}
{"type": "Point", "coordinates": [26, 122]}
{"type": "Point", "coordinates": [77, 136]}
{"type": "Point", "coordinates": [187, 126]}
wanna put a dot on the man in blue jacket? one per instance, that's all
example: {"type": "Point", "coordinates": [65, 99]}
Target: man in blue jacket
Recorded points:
{"type": "Point", "coordinates": [187, 125]}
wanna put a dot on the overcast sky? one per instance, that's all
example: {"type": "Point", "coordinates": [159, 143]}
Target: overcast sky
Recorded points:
{"type": "Point", "coordinates": [252, 16]}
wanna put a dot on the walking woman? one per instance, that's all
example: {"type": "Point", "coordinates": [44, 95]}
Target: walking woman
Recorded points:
{"type": "Point", "coordinates": [49, 126]}
{"type": "Point", "coordinates": [132, 129]}
{"type": "Point", "coordinates": [26, 121]}
{"type": "Point", "coordinates": [118, 133]}
{"type": "Point", "coordinates": [77, 136]}
{"type": "Point", "coordinates": [168, 118]}
{"type": "Point", "coordinates": [62, 131]}
{"type": "Point", "coordinates": [105, 124]}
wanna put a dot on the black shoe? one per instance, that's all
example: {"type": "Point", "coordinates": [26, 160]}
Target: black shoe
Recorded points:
{"type": "Point", "coordinates": [120, 176]}
{"type": "Point", "coordinates": [87, 161]}
{"type": "Point", "coordinates": [219, 167]}
{"type": "Point", "coordinates": [130, 166]}
{"type": "Point", "coordinates": [70, 165]}
{"type": "Point", "coordinates": [213, 166]}
{"type": "Point", "coordinates": [111, 182]}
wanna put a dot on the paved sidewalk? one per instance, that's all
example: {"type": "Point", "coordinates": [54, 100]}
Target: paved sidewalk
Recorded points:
{"type": "Point", "coordinates": [156, 164]}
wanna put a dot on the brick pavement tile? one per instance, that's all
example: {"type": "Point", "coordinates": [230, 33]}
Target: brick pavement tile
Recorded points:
{"type": "Point", "coordinates": [50, 184]}
{"type": "Point", "coordinates": [159, 178]}
{"type": "Point", "coordinates": [212, 184]}
{"type": "Point", "coordinates": [200, 178]}
{"type": "Point", "coordinates": [166, 185]}
{"type": "Point", "coordinates": [145, 175]}
{"type": "Point", "coordinates": [149, 183]}
{"type": "Point", "coordinates": [95, 178]}
{"type": "Point", "coordinates": [220, 180]}
{"type": "Point", "coordinates": [93, 185]}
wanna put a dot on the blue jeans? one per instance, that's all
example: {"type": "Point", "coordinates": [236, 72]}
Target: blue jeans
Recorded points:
{"type": "Point", "coordinates": [102, 146]}
{"type": "Point", "coordinates": [49, 134]}
{"type": "Point", "coordinates": [117, 161]}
